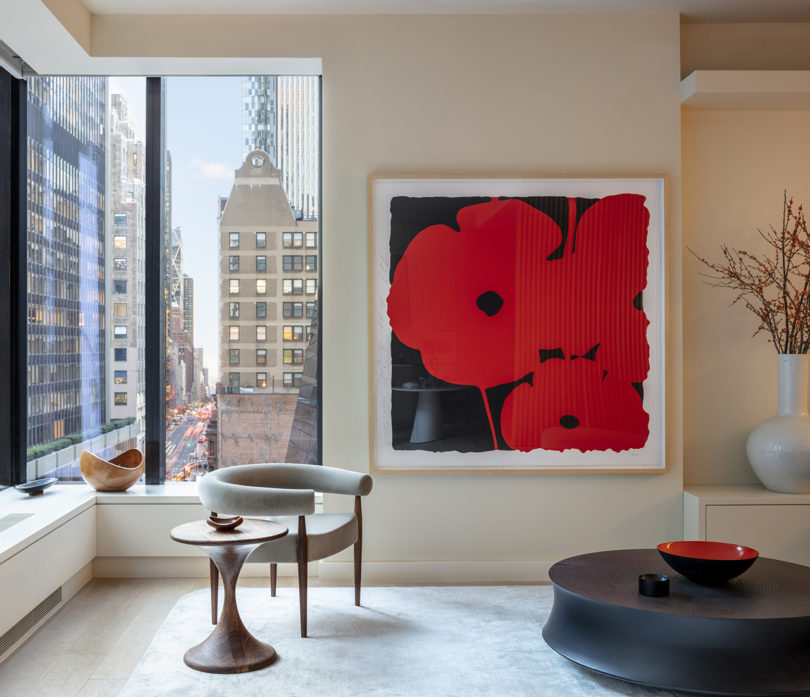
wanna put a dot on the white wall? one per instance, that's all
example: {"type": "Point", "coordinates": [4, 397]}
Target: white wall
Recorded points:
{"type": "Point", "coordinates": [518, 95]}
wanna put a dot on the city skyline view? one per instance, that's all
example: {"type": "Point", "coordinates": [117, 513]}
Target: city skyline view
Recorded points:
{"type": "Point", "coordinates": [87, 311]}
{"type": "Point", "coordinates": [203, 135]}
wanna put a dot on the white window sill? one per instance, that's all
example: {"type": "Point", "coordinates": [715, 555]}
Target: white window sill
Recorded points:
{"type": "Point", "coordinates": [62, 502]}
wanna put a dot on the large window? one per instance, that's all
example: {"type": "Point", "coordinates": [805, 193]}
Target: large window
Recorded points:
{"type": "Point", "coordinates": [85, 270]}
{"type": "Point", "coordinates": [114, 261]}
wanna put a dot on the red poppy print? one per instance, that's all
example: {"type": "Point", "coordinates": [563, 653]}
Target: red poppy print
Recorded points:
{"type": "Point", "coordinates": [549, 300]}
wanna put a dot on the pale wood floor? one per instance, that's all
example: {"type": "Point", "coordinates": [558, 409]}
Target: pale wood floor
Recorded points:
{"type": "Point", "coordinates": [91, 645]}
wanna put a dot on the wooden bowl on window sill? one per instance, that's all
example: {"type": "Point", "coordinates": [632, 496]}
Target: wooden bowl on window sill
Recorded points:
{"type": "Point", "coordinates": [117, 474]}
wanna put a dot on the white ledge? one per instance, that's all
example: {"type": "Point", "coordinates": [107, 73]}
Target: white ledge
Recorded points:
{"type": "Point", "coordinates": [756, 90]}
{"type": "Point", "coordinates": [62, 502]}
{"type": "Point", "coordinates": [741, 494]}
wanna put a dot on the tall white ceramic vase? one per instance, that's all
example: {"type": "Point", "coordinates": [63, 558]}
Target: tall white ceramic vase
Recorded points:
{"type": "Point", "coordinates": [779, 449]}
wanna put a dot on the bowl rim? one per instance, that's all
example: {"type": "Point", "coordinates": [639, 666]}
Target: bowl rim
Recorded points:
{"type": "Point", "coordinates": [708, 550]}
{"type": "Point", "coordinates": [112, 464]}
{"type": "Point", "coordinates": [43, 482]}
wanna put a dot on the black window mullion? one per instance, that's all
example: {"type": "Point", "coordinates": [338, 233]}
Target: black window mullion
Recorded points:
{"type": "Point", "coordinates": [13, 256]}
{"type": "Point", "coordinates": [155, 304]}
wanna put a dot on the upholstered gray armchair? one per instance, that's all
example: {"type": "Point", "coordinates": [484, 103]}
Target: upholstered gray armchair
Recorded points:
{"type": "Point", "coordinates": [286, 493]}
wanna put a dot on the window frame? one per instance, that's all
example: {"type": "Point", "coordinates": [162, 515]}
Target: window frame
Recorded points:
{"type": "Point", "coordinates": [291, 263]}
{"type": "Point", "coordinates": [13, 261]}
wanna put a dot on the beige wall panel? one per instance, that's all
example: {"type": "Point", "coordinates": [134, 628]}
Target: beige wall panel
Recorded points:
{"type": "Point", "coordinates": [736, 166]}
{"type": "Point", "coordinates": [467, 95]}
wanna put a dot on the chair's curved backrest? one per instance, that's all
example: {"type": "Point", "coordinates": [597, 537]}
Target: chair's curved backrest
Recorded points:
{"type": "Point", "coordinates": [276, 488]}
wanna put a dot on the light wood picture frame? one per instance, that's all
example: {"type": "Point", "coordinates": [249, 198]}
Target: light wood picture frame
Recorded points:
{"type": "Point", "coordinates": [517, 324]}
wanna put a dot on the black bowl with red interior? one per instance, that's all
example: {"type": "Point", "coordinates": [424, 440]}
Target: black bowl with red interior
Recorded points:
{"type": "Point", "coordinates": [708, 563]}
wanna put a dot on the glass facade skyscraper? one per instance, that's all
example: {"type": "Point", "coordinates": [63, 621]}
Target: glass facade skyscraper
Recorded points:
{"type": "Point", "coordinates": [280, 116]}
{"type": "Point", "coordinates": [66, 256]}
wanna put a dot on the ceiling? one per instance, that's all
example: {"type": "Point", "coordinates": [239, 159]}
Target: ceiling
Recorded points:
{"type": "Point", "coordinates": [692, 10]}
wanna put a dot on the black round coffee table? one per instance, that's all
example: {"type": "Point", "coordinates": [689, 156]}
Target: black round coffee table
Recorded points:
{"type": "Point", "coordinates": [750, 636]}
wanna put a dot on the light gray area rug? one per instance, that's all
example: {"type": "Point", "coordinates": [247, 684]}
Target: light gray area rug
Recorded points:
{"type": "Point", "coordinates": [403, 642]}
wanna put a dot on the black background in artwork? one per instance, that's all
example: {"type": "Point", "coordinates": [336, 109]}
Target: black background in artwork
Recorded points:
{"type": "Point", "coordinates": [465, 424]}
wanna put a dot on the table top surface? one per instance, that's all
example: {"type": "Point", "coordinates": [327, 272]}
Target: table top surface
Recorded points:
{"type": "Point", "coordinates": [770, 589]}
{"type": "Point", "coordinates": [251, 531]}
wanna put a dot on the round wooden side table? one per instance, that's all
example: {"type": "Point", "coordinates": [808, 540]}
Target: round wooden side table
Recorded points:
{"type": "Point", "coordinates": [230, 648]}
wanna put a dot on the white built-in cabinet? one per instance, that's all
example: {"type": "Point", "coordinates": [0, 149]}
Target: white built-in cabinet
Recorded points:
{"type": "Point", "coordinates": [776, 525]}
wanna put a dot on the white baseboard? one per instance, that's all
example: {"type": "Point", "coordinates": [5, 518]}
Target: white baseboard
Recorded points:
{"type": "Point", "coordinates": [396, 572]}
{"type": "Point", "coordinates": [338, 572]}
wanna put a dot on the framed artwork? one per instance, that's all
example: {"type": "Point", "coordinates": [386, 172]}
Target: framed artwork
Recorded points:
{"type": "Point", "coordinates": [517, 324]}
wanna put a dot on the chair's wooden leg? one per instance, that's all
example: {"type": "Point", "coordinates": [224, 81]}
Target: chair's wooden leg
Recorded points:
{"type": "Point", "coordinates": [302, 573]}
{"type": "Point", "coordinates": [214, 573]}
{"type": "Point", "coordinates": [273, 579]}
{"type": "Point", "coordinates": [358, 549]}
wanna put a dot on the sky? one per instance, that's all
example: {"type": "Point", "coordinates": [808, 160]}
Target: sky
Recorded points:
{"type": "Point", "coordinates": [203, 135]}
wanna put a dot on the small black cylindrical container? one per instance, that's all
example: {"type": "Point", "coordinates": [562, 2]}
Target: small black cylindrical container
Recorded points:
{"type": "Point", "coordinates": [653, 585]}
